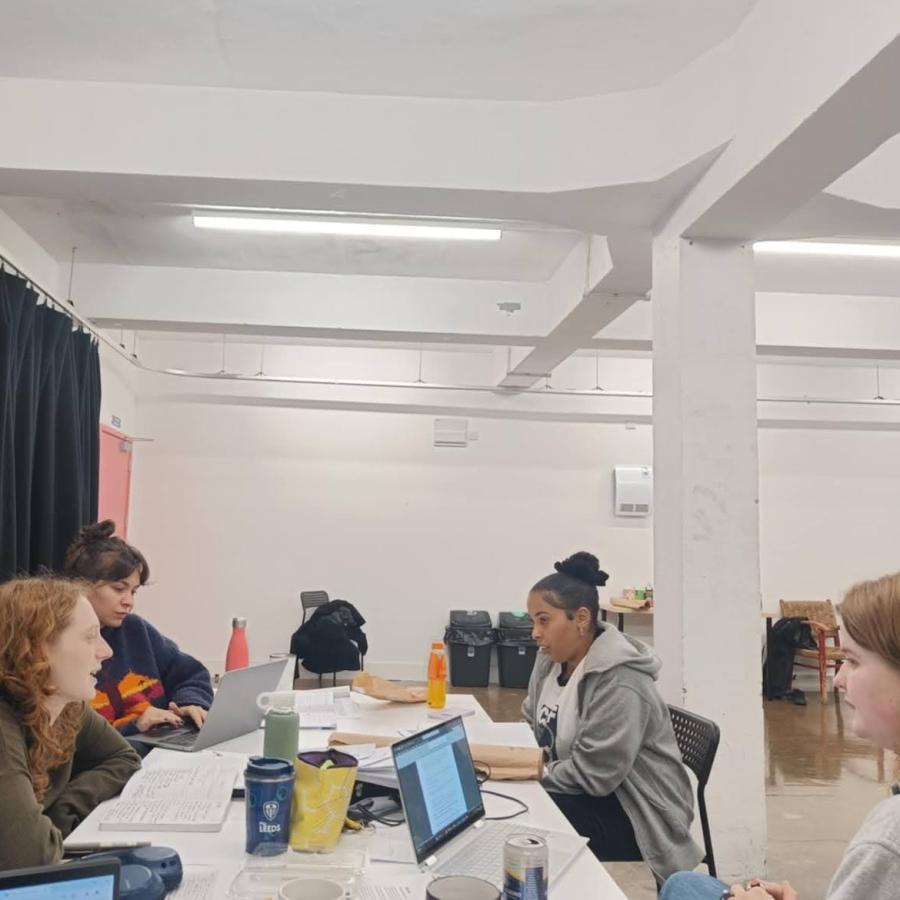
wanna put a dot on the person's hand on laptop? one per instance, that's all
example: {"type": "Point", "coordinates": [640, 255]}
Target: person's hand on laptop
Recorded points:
{"type": "Point", "coordinates": [197, 714]}
{"type": "Point", "coordinates": [153, 717]}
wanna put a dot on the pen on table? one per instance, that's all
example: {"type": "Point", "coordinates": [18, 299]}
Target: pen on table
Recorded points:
{"type": "Point", "coordinates": [99, 846]}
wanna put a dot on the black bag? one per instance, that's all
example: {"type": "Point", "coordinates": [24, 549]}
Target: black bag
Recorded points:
{"type": "Point", "coordinates": [332, 639]}
{"type": "Point", "coordinates": [788, 634]}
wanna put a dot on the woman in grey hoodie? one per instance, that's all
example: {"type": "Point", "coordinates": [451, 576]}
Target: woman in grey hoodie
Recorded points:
{"type": "Point", "coordinates": [612, 763]}
{"type": "Point", "coordinates": [870, 680]}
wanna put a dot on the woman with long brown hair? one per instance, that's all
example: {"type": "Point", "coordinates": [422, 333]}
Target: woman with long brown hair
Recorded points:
{"type": "Point", "coordinates": [870, 682]}
{"type": "Point", "coordinates": [58, 758]}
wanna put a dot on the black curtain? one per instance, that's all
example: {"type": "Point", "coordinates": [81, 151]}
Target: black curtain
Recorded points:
{"type": "Point", "coordinates": [49, 430]}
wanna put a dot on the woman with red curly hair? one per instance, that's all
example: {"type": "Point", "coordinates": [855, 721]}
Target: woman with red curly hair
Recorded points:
{"type": "Point", "coordinates": [58, 758]}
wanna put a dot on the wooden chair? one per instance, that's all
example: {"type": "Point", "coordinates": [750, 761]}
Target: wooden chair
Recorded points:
{"type": "Point", "coordinates": [822, 620]}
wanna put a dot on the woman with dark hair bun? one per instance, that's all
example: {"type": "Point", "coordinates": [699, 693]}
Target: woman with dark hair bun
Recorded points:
{"type": "Point", "coordinates": [612, 763]}
{"type": "Point", "coordinates": [148, 681]}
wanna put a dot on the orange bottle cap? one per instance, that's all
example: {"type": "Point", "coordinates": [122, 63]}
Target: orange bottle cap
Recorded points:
{"type": "Point", "coordinates": [437, 645]}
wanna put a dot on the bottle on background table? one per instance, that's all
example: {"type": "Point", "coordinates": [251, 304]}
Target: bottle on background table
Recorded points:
{"type": "Point", "coordinates": [437, 676]}
{"type": "Point", "coordinates": [238, 654]}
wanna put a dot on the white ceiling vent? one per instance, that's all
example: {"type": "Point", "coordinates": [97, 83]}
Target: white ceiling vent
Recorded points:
{"type": "Point", "coordinates": [634, 490]}
{"type": "Point", "coordinates": [451, 432]}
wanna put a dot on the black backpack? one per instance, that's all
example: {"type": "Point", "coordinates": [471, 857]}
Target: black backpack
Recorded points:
{"type": "Point", "coordinates": [788, 634]}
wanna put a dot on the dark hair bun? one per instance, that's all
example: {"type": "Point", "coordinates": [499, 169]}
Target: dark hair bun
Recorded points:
{"type": "Point", "coordinates": [583, 566]}
{"type": "Point", "coordinates": [92, 534]}
{"type": "Point", "coordinates": [99, 554]}
{"type": "Point", "coordinates": [89, 535]}
{"type": "Point", "coordinates": [100, 531]}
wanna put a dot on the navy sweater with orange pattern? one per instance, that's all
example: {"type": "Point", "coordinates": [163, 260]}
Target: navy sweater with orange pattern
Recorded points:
{"type": "Point", "coordinates": [146, 669]}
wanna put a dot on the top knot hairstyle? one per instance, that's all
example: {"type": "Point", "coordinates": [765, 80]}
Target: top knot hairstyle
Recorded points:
{"type": "Point", "coordinates": [97, 555]}
{"type": "Point", "coordinates": [574, 585]}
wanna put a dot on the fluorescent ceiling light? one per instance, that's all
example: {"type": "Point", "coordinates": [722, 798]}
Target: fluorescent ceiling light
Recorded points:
{"type": "Point", "coordinates": [343, 228]}
{"type": "Point", "coordinates": [820, 248]}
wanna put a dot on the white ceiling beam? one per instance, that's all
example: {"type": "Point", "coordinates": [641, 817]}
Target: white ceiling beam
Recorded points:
{"type": "Point", "coordinates": [596, 310]}
{"type": "Point", "coordinates": [616, 277]}
{"type": "Point", "coordinates": [793, 143]}
{"type": "Point", "coordinates": [849, 125]}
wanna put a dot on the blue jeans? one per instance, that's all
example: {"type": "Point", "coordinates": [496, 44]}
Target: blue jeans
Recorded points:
{"type": "Point", "coordinates": [692, 886]}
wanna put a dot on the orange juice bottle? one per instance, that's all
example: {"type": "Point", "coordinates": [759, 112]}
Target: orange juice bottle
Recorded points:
{"type": "Point", "coordinates": [437, 677]}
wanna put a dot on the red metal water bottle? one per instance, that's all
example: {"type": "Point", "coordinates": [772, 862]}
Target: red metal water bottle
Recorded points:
{"type": "Point", "coordinates": [238, 654]}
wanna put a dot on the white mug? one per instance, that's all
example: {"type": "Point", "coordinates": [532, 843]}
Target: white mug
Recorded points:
{"type": "Point", "coordinates": [311, 889]}
{"type": "Point", "coordinates": [275, 698]}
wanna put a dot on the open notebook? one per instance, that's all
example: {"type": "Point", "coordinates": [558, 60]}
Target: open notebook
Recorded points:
{"type": "Point", "coordinates": [185, 798]}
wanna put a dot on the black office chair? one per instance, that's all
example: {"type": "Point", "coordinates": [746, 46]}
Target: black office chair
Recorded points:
{"type": "Point", "coordinates": [310, 600]}
{"type": "Point", "coordinates": [698, 741]}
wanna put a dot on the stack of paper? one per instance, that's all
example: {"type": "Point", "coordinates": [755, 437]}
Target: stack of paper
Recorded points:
{"type": "Point", "coordinates": [322, 708]}
{"type": "Point", "coordinates": [179, 799]}
{"type": "Point", "coordinates": [376, 764]}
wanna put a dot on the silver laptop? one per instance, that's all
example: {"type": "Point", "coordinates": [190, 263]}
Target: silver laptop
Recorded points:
{"type": "Point", "coordinates": [234, 711]}
{"type": "Point", "coordinates": [445, 811]}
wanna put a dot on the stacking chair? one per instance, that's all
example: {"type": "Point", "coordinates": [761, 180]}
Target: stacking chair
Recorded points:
{"type": "Point", "coordinates": [698, 741]}
{"type": "Point", "coordinates": [310, 600]}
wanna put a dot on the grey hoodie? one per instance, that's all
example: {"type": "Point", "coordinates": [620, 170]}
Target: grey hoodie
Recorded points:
{"type": "Point", "coordinates": [624, 744]}
{"type": "Point", "coordinates": [870, 869]}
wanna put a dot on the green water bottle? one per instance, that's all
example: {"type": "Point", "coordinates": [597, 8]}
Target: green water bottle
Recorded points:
{"type": "Point", "coordinates": [282, 734]}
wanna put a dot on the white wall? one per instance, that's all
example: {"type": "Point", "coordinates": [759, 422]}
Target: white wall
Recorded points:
{"type": "Point", "coordinates": [238, 509]}
{"type": "Point", "coordinates": [828, 506]}
{"type": "Point", "coordinates": [118, 401]}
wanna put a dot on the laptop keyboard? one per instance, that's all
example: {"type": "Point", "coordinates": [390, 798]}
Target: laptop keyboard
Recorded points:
{"type": "Point", "coordinates": [179, 739]}
{"type": "Point", "coordinates": [482, 857]}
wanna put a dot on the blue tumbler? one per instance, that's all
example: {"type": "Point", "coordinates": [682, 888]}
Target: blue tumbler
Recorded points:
{"type": "Point", "coordinates": [268, 791]}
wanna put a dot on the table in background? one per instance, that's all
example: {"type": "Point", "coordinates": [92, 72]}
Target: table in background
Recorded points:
{"type": "Point", "coordinates": [224, 850]}
{"type": "Point", "coordinates": [621, 612]}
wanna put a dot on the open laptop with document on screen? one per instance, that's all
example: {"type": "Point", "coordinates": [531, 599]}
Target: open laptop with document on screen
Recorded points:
{"type": "Point", "coordinates": [445, 812]}
{"type": "Point", "coordinates": [234, 711]}
{"type": "Point", "coordinates": [94, 880]}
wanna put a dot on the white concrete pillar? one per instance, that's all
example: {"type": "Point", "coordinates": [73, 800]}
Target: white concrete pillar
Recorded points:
{"type": "Point", "coordinates": [705, 530]}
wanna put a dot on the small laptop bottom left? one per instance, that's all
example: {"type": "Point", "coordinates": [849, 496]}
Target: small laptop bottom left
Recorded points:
{"type": "Point", "coordinates": [91, 880]}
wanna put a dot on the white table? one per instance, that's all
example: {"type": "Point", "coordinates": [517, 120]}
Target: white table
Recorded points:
{"type": "Point", "coordinates": [224, 850]}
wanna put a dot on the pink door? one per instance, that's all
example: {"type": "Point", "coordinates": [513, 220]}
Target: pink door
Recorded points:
{"type": "Point", "coordinates": [115, 478]}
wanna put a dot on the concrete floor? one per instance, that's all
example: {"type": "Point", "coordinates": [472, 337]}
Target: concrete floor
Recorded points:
{"type": "Point", "coordinates": [821, 783]}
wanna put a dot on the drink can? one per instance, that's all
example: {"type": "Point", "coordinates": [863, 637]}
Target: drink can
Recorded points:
{"type": "Point", "coordinates": [525, 868]}
{"type": "Point", "coordinates": [268, 789]}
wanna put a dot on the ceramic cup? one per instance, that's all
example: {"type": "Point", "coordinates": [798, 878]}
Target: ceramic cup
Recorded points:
{"type": "Point", "coordinates": [311, 889]}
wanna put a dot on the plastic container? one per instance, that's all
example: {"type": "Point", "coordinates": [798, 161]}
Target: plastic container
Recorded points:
{"type": "Point", "coordinates": [437, 677]}
{"type": "Point", "coordinates": [261, 878]}
{"type": "Point", "coordinates": [471, 638]}
{"type": "Point", "coordinates": [516, 649]}
{"type": "Point", "coordinates": [238, 654]}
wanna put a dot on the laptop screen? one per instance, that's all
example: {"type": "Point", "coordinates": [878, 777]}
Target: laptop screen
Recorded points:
{"type": "Point", "coordinates": [73, 881]}
{"type": "Point", "coordinates": [440, 792]}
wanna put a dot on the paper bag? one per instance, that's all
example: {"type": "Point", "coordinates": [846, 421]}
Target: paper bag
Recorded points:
{"type": "Point", "coordinates": [495, 761]}
{"type": "Point", "coordinates": [322, 788]}
{"type": "Point", "coordinates": [381, 689]}
{"type": "Point", "coordinates": [632, 602]}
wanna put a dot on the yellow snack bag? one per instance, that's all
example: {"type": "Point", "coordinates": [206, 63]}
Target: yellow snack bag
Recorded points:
{"type": "Point", "coordinates": [322, 789]}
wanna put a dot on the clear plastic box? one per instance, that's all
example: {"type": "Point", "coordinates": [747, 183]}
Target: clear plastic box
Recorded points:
{"type": "Point", "coordinates": [262, 876]}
